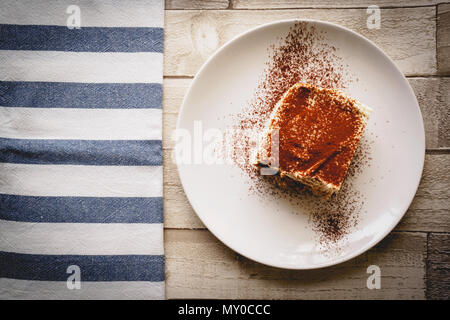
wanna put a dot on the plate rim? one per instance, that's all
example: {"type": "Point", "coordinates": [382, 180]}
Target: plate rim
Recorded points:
{"type": "Point", "coordinates": [382, 235]}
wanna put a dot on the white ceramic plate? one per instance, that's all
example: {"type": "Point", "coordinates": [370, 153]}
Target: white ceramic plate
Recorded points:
{"type": "Point", "coordinates": [268, 232]}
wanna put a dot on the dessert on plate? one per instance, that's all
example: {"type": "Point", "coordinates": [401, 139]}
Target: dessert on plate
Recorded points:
{"type": "Point", "coordinates": [311, 137]}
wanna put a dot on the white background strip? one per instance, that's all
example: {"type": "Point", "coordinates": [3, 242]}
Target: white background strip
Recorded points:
{"type": "Point", "coordinates": [27, 289]}
{"type": "Point", "coordinates": [86, 67]}
{"type": "Point", "coordinates": [81, 238]}
{"type": "Point", "coordinates": [82, 124]}
{"type": "Point", "coordinates": [111, 13]}
{"type": "Point", "coordinates": [73, 180]}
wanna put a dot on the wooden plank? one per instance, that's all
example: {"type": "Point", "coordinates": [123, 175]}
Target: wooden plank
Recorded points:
{"type": "Point", "coordinates": [169, 125]}
{"type": "Point", "coordinates": [433, 95]}
{"type": "Point", "coordinates": [197, 4]}
{"type": "Point", "coordinates": [285, 4]}
{"type": "Point", "coordinates": [428, 212]}
{"type": "Point", "coordinates": [438, 266]}
{"type": "Point", "coordinates": [408, 35]}
{"type": "Point", "coordinates": [443, 38]}
{"type": "Point", "coordinates": [199, 266]}
{"type": "Point", "coordinates": [430, 209]}
{"type": "Point", "coordinates": [173, 94]}
{"type": "Point", "coordinates": [178, 213]}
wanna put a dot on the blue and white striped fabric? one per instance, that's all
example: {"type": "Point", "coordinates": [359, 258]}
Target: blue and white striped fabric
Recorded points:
{"type": "Point", "coordinates": [80, 149]}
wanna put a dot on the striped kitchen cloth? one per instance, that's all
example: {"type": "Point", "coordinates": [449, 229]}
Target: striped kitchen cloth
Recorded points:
{"type": "Point", "coordinates": [80, 149]}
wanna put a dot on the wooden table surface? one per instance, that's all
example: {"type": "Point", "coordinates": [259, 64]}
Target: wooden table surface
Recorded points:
{"type": "Point", "coordinates": [415, 258]}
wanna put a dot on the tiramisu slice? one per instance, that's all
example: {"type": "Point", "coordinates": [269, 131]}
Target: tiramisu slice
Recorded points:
{"type": "Point", "coordinates": [312, 135]}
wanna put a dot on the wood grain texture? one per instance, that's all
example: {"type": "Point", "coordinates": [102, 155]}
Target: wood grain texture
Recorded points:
{"type": "Point", "coordinates": [428, 212]}
{"type": "Point", "coordinates": [430, 209]}
{"type": "Point", "coordinates": [418, 40]}
{"type": "Point", "coordinates": [199, 266]}
{"type": "Point", "coordinates": [433, 95]}
{"type": "Point", "coordinates": [443, 38]}
{"type": "Point", "coordinates": [438, 267]}
{"type": "Point", "coordinates": [197, 4]}
{"type": "Point", "coordinates": [178, 212]}
{"type": "Point", "coordinates": [173, 94]}
{"type": "Point", "coordinates": [407, 35]}
{"type": "Point", "coordinates": [278, 4]}
{"type": "Point", "coordinates": [169, 125]}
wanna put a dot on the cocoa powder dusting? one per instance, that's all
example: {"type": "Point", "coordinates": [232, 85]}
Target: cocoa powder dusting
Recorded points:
{"type": "Point", "coordinates": [319, 139]}
{"type": "Point", "coordinates": [301, 56]}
